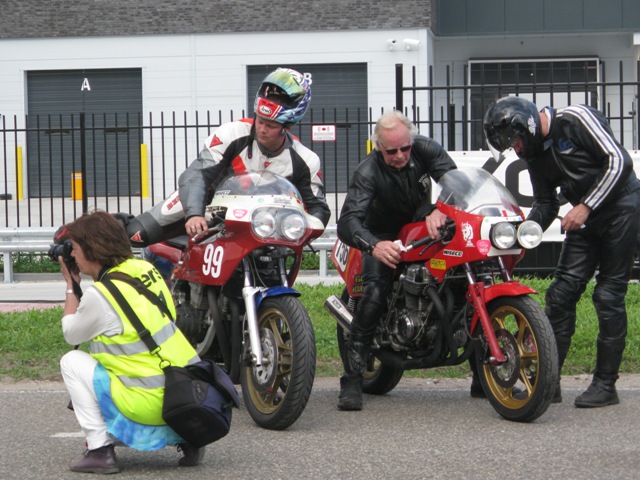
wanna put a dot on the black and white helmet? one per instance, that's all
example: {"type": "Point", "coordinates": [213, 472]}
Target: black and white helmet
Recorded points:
{"type": "Point", "coordinates": [512, 117]}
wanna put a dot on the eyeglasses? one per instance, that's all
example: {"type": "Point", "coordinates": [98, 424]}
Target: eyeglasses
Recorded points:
{"type": "Point", "coordinates": [393, 151]}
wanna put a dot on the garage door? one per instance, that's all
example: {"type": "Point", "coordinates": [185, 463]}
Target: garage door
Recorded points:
{"type": "Point", "coordinates": [84, 116]}
{"type": "Point", "coordinates": [339, 97]}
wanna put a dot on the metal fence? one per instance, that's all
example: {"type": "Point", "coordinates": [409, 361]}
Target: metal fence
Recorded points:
{"type": "Point", "coordinates": [56, 167]}
{"type": "Point", "coordinates": [452, 113]}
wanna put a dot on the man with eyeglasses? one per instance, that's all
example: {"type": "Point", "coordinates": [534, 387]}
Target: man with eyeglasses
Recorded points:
{"type": "Point", "coordinates": [390, 188]}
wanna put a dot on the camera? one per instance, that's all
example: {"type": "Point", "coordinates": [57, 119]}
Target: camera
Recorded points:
{"type": "Point", "coordinates": [62, 248]}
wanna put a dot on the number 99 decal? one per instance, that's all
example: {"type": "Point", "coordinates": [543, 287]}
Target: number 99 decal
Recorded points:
{"type": "Point", "coordinates": [212, 260]}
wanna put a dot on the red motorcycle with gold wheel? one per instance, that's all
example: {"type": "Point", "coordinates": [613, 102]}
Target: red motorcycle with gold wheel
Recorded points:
{"type": "Point", "coordinates": [232, 287]}
{"type": "Point", "coordinates": [454, 297]}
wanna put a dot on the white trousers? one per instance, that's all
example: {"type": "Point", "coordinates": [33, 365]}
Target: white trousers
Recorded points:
{"type": "Point", "coordinates": [77, 368]}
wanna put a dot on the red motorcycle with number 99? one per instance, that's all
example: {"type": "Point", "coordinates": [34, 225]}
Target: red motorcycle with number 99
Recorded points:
{"type": "Point", "coordinates": [233, 295]}
{"type": "Point", "coordinates": [454, 297]}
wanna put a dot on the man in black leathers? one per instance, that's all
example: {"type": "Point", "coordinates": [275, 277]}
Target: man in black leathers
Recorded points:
{"type": "Point", "coordinates": [574, 148]}
{"type": "Point", "coordinates": [390, 188]}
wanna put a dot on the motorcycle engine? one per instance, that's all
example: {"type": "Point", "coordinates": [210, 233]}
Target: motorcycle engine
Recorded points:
{"type": "Point", "coordinates": [191, 307]}
{"type": "Point", "coordinates": [411, 320]}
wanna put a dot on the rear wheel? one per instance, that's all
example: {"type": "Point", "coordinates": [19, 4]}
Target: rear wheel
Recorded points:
{"type": "Point", "coordinates": [276, 392]}
{"type": "Point", "coordinates": [377, 379]}
{"type": "Point", "coordinates": [522, 388]}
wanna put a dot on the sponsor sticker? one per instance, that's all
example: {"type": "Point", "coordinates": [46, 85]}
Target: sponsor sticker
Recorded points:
{"type": "Point", "coordinates": [239, 213]}
{"type": "Point", "coordinates": [282, 199]}
{"type": "Point", "coordinates": [438, 264]}
{"type": "Point", "coordinates": [467, 233]}
{"type": "Point", "coordinates": [453, 253]}
{"type": "Point", "coordinates": [483, 246]}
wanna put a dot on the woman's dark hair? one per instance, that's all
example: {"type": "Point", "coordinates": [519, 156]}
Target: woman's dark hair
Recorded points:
{"type": "Point", "coordinates": [102, 238]}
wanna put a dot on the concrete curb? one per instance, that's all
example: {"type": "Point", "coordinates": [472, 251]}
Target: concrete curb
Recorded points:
{"type": "Point", "coordinates": [47, 290]}
{"type": "Point", "coordinates": [629, 381]}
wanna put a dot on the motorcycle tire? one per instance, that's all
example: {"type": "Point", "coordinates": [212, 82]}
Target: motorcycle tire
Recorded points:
{"type": "Point", "coordinates": [276, 393]}
{"type": "Point", "coordinates": [521, 389]}
{"type": "Point", "coordinates": [377, 379]}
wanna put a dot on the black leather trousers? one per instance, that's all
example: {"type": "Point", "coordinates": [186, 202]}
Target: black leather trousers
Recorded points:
{"type": "Point", "coordinates": [377, 279]}
{"type": "Point", "coordinates": [605, 244]}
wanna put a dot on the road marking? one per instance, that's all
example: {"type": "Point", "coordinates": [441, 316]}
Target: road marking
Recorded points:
{"type": "Point", "coordinates": [68, 435]}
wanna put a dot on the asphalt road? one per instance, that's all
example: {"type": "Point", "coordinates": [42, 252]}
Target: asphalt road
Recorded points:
{"type": "Point", "coordinates": [424, 429]}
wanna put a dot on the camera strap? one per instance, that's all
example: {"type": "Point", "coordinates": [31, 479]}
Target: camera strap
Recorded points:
{"type": "Point", "coordinates": [77, 290]}
{"type": "Point", "coordinates": [143, 333]}
{"type": "Point", "coordinates": [141, 289]}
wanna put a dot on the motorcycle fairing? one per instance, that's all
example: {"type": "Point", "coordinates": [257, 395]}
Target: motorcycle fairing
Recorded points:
{"type": "Point", "coordinates": [212, 258]}
{"type": "Point", "coordinates": [348, 263]}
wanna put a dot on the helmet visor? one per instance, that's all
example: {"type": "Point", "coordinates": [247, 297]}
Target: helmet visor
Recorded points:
{"type": "Point", "coordinates": [501, 138]}
{"type": "Point", "coordinates": [277, 95]}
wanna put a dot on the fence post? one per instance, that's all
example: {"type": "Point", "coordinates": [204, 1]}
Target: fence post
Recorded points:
{"type": "Point", "coordinates": [399, 89]}
{"type": "Point", "coordinates": [8, 267]}
{"type": "Point", "coordinates": [323, 263]}
{"type": "Point", "coordinates": [83, 163]}
{"type": "Point", "coordinates": [451, 127]}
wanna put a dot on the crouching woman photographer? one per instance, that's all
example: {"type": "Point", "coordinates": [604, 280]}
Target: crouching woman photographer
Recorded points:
{"type": "Point", "coordinates": [116, 391]}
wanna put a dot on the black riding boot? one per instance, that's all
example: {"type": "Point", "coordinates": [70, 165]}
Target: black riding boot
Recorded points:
{"type": "Point", "coordinates": [563, 348]}
{"type": "Point", "coordinates": [602, 391]}
{"type": "Point", "coordinates": [351, 382]}
{"type": "Point", "coordinates": [476, 387]}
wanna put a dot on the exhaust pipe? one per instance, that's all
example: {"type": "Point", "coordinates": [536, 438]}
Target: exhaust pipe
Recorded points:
{"type": "Point", "coordinates": [339, 312]}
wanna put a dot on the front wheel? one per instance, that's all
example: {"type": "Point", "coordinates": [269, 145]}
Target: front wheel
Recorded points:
{"type": "Point", "coordinates": [522, 388]}
{"type": "Point", "coordinates": [276, 392]}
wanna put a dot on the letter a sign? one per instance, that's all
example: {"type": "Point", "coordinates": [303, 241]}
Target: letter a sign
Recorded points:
{"type": "Point", "coordinates": [85, 85]}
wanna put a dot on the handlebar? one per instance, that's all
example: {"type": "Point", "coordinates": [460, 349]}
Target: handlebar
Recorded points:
{"type": "Point", "coordinates": [418, 243]}
{"type": "Point", "coordinates": [446, 234]}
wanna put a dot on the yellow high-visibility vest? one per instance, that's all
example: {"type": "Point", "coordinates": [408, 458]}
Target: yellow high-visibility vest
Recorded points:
{"type": "Point", "coordinates": [137, 379]}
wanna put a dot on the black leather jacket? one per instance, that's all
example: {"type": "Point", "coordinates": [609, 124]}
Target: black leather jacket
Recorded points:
{"type": "Point", "coordinates": [382, 199]}
{"type": "Point", "coordinates": [582, 157]}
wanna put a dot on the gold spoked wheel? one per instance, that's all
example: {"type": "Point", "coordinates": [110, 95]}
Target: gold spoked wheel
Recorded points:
{"type": "Point", "coordinates": [521, 388]}
{"type": "Point", "coordinates": [276, 392]}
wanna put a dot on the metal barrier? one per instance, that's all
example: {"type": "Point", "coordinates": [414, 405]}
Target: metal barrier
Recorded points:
{"type": "Point", "coordinates": [324, 244]}
{"type": "Point", "coordinates": [23, 240]}
{"type": "Point", "coordinates": [39, 239]}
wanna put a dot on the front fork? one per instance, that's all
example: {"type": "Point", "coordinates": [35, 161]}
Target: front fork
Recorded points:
{"type": "Point", "coordinates": [249, 296]}
{"type": "Point", "coordinates": [475, 295]}
{"type": "Point", "coordinates": [249, 292]}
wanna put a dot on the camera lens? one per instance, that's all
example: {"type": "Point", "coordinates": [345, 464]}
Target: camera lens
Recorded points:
{"type": "Point", "coordinates": [56, 251]}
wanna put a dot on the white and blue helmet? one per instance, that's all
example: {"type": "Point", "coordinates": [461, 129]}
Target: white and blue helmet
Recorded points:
{"type": "Point", "coordinates": [284, 96]}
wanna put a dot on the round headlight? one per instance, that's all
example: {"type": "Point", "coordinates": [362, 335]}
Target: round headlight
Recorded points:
{"type": "Point", "coordinates": [293, 226]}
{"type": "Point", "coordinates": [503, 235]}
{"type": "Point", "coordinates": [529, 234]}
{"type": "Point", "coordinates": [263, 223]}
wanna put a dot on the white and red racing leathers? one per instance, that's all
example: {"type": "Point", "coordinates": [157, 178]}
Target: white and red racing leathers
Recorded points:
{"type": "Point", "coordinates": [231, 149]}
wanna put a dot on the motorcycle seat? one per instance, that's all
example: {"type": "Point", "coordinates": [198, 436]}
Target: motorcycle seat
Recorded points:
{"type": "Point", "coordinates": [180, 241]}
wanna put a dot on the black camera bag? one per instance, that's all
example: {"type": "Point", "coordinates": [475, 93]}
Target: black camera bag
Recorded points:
{"type": "Point", "coordinates": [198, 400]}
